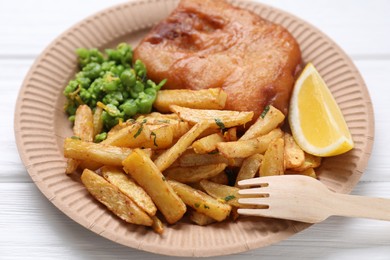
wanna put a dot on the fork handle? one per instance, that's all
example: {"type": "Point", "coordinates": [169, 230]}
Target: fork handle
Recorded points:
{"type": "Point", "coordinates": [361, 207]}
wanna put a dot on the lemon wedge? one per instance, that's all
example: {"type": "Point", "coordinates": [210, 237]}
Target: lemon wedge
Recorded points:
{"type": "Point", "coordinates": [316, 121]}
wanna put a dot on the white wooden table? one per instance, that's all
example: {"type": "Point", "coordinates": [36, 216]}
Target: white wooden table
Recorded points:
{"type": "Point", "coordinates": [32, 228]}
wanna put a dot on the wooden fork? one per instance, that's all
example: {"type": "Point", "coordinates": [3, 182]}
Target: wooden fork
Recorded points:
{"type": "Point", "coordinates": [305, 199]}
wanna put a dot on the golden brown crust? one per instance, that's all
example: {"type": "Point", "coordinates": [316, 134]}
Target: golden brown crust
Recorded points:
{"type": "Point", "coordinates": [209, 44]}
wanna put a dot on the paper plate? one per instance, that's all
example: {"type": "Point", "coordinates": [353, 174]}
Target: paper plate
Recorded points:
{"type": "Point", "coordinates": [41, 126]}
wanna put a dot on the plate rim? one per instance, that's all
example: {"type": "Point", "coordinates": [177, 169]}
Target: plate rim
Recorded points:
{"type": "Point", "coordinates": [294, 228]}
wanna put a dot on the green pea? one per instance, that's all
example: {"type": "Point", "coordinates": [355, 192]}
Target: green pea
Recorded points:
{"type": "Point", "coordinates": [71, 87]}
{"type": "Point", "coordinates": [71, 107]}
{"type": "Point", "coordinates": [129, 108]}
{"type": "Point", "coordinates": [83, 56]}
{"type": "Point", "coordinates": [72, 118]}
{"type": "Point", "coordinates": [108, 65]}
{"type": "Point", "coordinates": [144, 103]}
{"type": "Point", "coordinates": [92, 70]}
{"type": "Point", "coordinates": [85, 95]}
{"type": "Point", "coordinates": [152, 93]}
{"type": "Point", "coordinates": [126, 53]}
{"type": "Point", "coordinates": [139, 87]}
{"type": "Point", "coordinates": [108, 99]}
{"type": "Point", "coordinates": [112, 110]}
{"type": "Point", "coordinates": [109, 121]}
{"type": "Point", "coordinates": [83, 81]}
{"type": "Point", "coordinates": [100, 137]}
{"type": "Point", "coordinates": [114, 98]}
{"type": "Point", "coordinates": [96, 88]}
{"type": "Point", "coordinates": [96, 55]}
{"type": "Point", "coordinates": [128, 78]}
{"type": "Point", "coordinates": [140, 69]}
{"type": "Point", "coordinates": [110, 82]}
{"type": "Point", "coordinates": [87, 56]}
{"type": "Point", "coordinates": [113, 55]}
{"type": "Point", "coordinates": [117, 70]}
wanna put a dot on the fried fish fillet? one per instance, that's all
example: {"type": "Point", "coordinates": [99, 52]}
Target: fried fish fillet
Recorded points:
{"type": "Point", "coordinates": [212, 44]}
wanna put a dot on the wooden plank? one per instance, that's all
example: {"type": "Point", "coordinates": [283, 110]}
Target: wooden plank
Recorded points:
{"type": "Point", "coordinates": [357, 26]}
{"type": "Point", "coordinates": [33, 228]}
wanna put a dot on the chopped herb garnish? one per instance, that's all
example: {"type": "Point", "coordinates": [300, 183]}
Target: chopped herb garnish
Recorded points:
{"type": "Point", "coordinates": [163, 178]}
{"type": "Point", "coordinates": [154, 138]}
{"type": "Point", "coordinates": [197, 205]}
{"type": "Point", "coordinates": [219, 123]}
{"type": "Point", "coordinates": [265, 111]}
{"type": "Point", "coordinates": [140, 129]}
{"type": "Point", "coordinates": [205, 206]}
{"type": "Point", "coordinates": [76, 137]}
{"type": "Point", "coordinates": [230, 197]}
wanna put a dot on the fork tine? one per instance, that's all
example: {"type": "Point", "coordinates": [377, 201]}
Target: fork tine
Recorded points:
{"type": "Point", "coordinates": [253, 201]}
{"type": "Point", "coordinates": [253, 181]}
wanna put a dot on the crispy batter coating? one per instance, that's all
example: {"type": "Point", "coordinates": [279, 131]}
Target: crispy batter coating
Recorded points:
{"type": "Point", "coordinates": [211, 44]}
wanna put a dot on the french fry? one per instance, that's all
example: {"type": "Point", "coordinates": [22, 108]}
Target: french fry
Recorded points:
{"type": "Point", "coordinates": [97, 121]}
{"type": "Point", "coordinates": [91, 165]}
{"type": "Point", "coordinates": [179, 129]}
{"type": "Point", "coordinates": [221, 192]}
{"type": "Point", "coordinates": [114, 199]}
{"type": "Point", "coordinates": [309, 172]}
{"type": "Point", "coordinates": [118, 127]}
{"type": "Point", "coordinates": [217, 118]}
{"type": "Point", "coordinates": [212, 98]}
{"type": "Point", "coordinates": [194, 174]}
{"type": "Point", "coordinates": [266, 122]}
{"type": "Point", "coordinates": [293, 154]}
{"type": "Point", "coordinates": [170, 155]}
{"type": "Point", "coordinates": [157, 225]}
{"type": "Point", "coordinates": [71, 165]}
{"type": "Point", "coordinates": [160, 138]}
{"type": "Point", "coordinates": [273, 161]}
{"type": "Point", "coordinates": [311, 161]}
{"type": "Point", "coordinates": [190, 159]}
{"type": "Point", "coordinates": [196, 185]}
{"type": "Point", "coordinates": [103, 154]}
{"type": "Point", "coordinates": [130, 136]}
{"type": "Point", "coordinates": [209, 131]}
{"type": "Point", "coordinates": [200, 201]}
{"type": "Point", "coordinates": [221, 178]}
{"type": "Point", "coordinates": [208, 143]}
{"type": "Point", "coordinates": [126, 185]}
{"type": "Point", "coordinates": [83, 123]}
{"type": "Point", "coordinates": [83, 129]}
{"type": "Point", "coordinates": [158, 116]}
{"type": "Point", "coordinates": [149, 177]}
{"type": "Point", "coordinates": [200, 219]}
{"type": "Point", "coordinates": [250, 166]}
{"type": "Point", "coordinates": [243, 149]}
{"type": "Point", "coordinates": [231, 134]}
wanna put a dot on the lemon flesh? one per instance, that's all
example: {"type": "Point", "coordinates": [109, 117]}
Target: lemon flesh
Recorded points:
{"type": "Point", "coordinates": [316, 121]}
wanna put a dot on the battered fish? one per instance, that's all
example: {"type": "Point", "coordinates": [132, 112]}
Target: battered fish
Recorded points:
{"type": "Point", "coordinates": [210, 44]}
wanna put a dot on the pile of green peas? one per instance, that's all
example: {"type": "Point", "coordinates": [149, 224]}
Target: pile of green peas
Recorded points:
{"type": "Point", "coordinates": [114, 80]}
